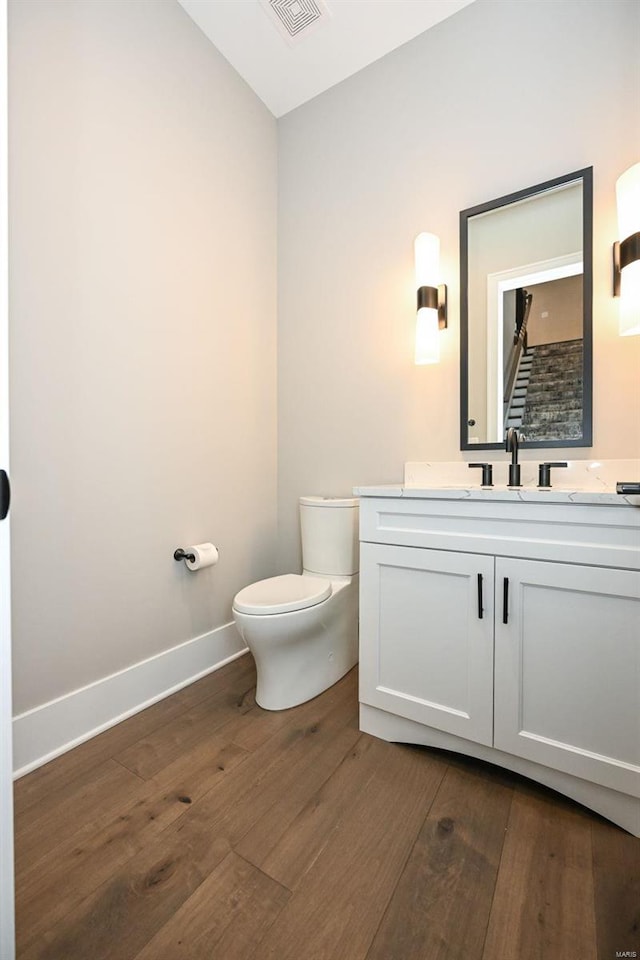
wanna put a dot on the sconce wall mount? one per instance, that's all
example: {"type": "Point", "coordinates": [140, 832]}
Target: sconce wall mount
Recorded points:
{"type": "Point", "coordinates": [625, 252]}
{"type": "Point", "coordinates": [434, 298]}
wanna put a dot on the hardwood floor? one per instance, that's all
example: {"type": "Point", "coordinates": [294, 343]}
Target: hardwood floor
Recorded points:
{"type": "Point", "coordinates": [205, 828]}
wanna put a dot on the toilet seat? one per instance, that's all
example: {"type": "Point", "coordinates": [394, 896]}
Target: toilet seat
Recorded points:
{"type": "Point", "coordinates": [292, 591]}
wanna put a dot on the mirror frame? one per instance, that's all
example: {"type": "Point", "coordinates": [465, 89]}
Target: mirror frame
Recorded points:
{"type": "Point", "coordinates": [586, 175]}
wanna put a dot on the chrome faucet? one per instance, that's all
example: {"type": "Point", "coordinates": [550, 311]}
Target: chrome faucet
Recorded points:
{"type": "Point", "coordinates": [511, 446]}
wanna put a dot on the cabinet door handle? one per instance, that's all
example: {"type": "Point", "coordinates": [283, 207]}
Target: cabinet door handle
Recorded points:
{"type": "Point", "coordinates": [480, 610]}
{"type": "Point", "coordinates": [505, 600]}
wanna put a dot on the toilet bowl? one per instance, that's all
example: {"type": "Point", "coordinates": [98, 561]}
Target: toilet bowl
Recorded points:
{"type": "Point", "coordinates": [302, 629]}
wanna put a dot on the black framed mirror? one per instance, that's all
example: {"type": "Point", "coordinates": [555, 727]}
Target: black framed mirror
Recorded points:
{"type": "Point", "coordinates": [526, 316]}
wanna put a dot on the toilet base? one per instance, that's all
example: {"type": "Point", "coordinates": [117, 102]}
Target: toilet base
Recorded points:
{"type": "Point", "coordinates": [301, 654]}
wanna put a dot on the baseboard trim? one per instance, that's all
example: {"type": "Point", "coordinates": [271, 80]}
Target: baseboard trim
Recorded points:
{"type": "Point", "coordinates": [47, 731]}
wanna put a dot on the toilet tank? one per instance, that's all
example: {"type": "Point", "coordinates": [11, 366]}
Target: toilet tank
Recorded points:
{"type": "Point", "coordinates": [329, 528]}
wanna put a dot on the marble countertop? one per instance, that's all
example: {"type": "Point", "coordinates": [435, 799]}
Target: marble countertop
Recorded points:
{"type": "Point", "coordinates": [497, 492]}
{"type": "Point", "coordinates": [580, 481]}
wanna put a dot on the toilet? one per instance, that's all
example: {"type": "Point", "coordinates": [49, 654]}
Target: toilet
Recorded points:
{"type": "Point", "coordinates": [302, 629]}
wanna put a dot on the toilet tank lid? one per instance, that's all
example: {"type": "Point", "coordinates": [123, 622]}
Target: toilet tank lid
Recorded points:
{"type": "Point", "coordinates": [329, 501]}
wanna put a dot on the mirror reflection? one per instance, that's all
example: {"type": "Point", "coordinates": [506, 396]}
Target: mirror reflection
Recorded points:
{"type": "Point", "coordinates": [526, 316]}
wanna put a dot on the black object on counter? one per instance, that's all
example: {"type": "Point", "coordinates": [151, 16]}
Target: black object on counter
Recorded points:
{"type": "Point", "coordinates": [629, 487]}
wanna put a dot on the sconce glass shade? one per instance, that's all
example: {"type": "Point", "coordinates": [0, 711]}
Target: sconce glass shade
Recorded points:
{"type": "Point", "coordinates": [427, 252]}
{"type": "Point", "coordinates": [427, 260]}
{"type": "Point", "coordinates": [427, 336]}
{"type": "Point", "coordinates": [628, 201]}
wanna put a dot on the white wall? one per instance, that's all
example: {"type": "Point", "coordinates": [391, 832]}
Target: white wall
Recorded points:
{"type": "Point", "coordinates": [442, 124]}
{"type": "Point", "coordinates": [143, 335]}
{"type": "Point", "coordinates": [556, 311]}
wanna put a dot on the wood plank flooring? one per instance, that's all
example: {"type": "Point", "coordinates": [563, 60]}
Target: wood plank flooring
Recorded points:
{"type": "Point", "coordinates": [205, 828]}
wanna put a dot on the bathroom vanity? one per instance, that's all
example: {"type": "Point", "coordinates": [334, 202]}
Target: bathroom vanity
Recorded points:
{"type": "Point", "coordinates": [505, 625]}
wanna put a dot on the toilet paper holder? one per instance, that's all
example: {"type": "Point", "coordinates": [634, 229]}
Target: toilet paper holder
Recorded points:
{"type": "Point", "coordinates": [180, 554]}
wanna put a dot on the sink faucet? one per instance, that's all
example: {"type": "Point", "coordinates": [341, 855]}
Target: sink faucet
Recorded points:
{"type": "Point", "coordinates": [511, 446]}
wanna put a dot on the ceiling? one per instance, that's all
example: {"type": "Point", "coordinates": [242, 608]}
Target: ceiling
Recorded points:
{"type": "Point", "coordinates": [348, 36]}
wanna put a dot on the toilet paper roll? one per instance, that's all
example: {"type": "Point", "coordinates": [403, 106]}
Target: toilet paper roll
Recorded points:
{"type": "Point", "coordinates": [205, 555]}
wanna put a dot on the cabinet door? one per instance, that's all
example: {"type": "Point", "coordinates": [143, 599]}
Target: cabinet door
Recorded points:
{"type": "Point", "coordinates": [567, 669]}
{"type": "Point", "coordinates": [426, 648]}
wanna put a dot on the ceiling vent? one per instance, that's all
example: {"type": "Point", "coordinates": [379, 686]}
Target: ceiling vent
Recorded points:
{"type": "Point", "coordinates": [296, 19]}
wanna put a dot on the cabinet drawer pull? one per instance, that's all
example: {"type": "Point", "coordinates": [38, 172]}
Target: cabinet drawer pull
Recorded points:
{"type": "Point", "coordinates": [480, 610]}
{"type": "Point", "coordinates": [505, 600]}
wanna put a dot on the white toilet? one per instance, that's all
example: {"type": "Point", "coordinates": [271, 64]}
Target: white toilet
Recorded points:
{"type": "Point", "coordinates": [302, 629]}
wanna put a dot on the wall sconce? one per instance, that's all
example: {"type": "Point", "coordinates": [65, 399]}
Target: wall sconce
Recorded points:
{"type": "Point", "coordinates": [432, 299]}
{"type": "Point", "coordinates": [626, 253]}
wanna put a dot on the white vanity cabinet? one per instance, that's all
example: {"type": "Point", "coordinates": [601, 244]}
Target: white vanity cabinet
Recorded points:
{"type": "Point", "coordinates": [509, 631]}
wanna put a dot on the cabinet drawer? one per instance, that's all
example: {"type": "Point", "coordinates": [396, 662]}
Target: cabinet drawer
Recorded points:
{"type": "Point", "coordinates": [569, 533]}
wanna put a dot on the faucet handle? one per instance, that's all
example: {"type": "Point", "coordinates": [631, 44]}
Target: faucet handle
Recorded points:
{"type": "Point", "coordinates": [487, 473]}
{"type": "Point", "coordinates": [544, 473]}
